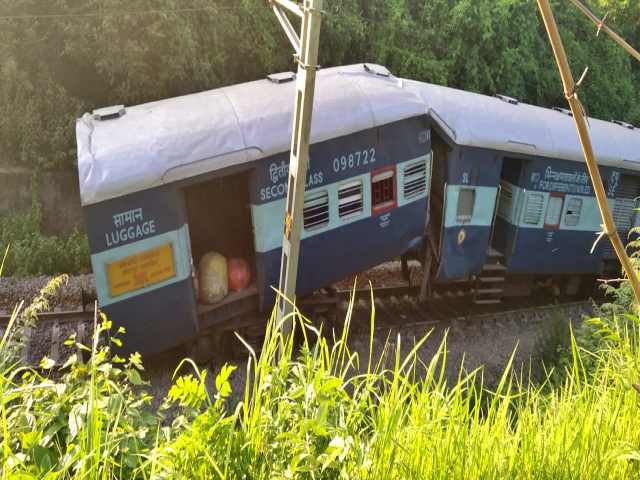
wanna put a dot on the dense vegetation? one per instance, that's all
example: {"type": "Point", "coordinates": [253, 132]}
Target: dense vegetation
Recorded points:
{"type": "Point", "coordinates": [32, 252]}
{"type": "Point", "coordinates": [61, 58]}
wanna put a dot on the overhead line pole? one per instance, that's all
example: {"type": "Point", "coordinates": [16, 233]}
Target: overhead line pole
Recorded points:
{"type": "Point", "coordinates": [306, 47]}
{"type": "Point", "coordinates": [583, 133]}
{"type": "Point", "coordinates": [601, 26]}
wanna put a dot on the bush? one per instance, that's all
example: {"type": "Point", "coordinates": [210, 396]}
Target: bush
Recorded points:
{"type": "Point", "coordinates": [33, 253]}
{"type": "Point", "coordinates": [76, 420]}
{"type": "Point", "coordinates": [55, 68]}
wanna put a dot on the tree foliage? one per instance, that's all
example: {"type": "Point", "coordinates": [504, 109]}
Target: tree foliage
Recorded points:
{"type": "Point", "coordinates": [61, 58]}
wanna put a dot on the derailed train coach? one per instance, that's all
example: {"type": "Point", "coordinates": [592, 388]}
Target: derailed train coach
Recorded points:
{"type": "Point", "coordinates": [512, 180]}
{"type": "Point", "coordinates": [164, 183]}
{"type": "Point", "coordinates": [397, 167]}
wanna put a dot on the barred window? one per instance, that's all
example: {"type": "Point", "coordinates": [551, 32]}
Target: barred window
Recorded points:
{"type": "Point", "coordinates": [533, 208]}
{"type": "Point", "coordinates": [316, 210]}
{"type": "Point", "coordinates": [350, 200]}
{"type": "Point", "coordinates": [415, 179]}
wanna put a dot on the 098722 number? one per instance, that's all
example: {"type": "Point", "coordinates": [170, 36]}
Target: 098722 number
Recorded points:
{"type": "Point", "coordinates": [354, 160]}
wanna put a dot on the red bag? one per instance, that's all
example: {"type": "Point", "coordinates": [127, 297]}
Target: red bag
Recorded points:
{"type": "Point", "coordinates": [239, 273]}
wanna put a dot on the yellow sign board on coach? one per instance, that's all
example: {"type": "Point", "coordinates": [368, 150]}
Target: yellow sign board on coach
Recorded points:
{"type": "Point", "coordinates": [141, 270]}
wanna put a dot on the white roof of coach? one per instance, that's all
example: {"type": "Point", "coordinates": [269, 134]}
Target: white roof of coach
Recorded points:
{"type": "Point", "coordinates": [476, 120]}
{"type": "Point", "coordinates": [177, 138]}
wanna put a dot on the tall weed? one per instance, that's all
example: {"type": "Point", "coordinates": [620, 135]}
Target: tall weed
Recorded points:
{"type": "Point", "coordinates": [321, 411]}
{"type": "Point", "coordinates": [76, 420]}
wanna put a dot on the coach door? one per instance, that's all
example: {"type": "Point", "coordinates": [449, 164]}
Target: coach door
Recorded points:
{"type": "Point", "coordinates": [508, 208]}
{"type": "Point", "coordinates": [437, 195]}
{"type": "Point", "coordinates": [220, 225]}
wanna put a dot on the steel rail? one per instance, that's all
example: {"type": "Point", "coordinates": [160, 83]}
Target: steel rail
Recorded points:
{"type": "Point", "coordinates": [482, 317]}
{"type": "Point", "coordinates": [52, 317]}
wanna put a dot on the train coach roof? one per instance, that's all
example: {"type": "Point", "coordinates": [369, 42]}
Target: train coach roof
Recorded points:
{"type": "Point", "coordinates": [177, 138]}
{"type": "Point", "coordinates": [476, 120]}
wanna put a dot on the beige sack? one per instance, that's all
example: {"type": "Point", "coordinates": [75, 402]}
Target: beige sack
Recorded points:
{"type": "Point", "coordinates": [212, 274]}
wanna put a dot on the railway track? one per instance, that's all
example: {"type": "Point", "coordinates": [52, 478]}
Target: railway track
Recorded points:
{"type": "Point", "coordinates": [406, 315]}
{"type": "Point", "coordinates": [396, 308]}
{"type": "Point", "coordinates": [68, 316]}
{"type": "Point", "coordinates": [51, 330]}
{"type": "Point", "coordinates": [405, 311]}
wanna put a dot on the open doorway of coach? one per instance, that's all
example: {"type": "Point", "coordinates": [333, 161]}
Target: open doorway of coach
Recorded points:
{"type": "Point", "coordinates": [435, 224]}
{"type": "Point", "coordinates": [219, 217]}
{"type": "Point", "coordinates": [437, 194]}
{"type": "Point", "coordinates": [507, 212]}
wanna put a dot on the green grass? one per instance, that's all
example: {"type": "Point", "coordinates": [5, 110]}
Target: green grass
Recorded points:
{"type": "Point", "coordinates": [321, 411]}
{"type": "Point", "coordinates": [320, 416]}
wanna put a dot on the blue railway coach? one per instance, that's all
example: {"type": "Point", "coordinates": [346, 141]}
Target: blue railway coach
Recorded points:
{"type": "Point", "coordinates": [163, 183]}
{"type": "Point", "coordinates": [397, 167]}
{"type": "Point", "coordinates": [513, 180]}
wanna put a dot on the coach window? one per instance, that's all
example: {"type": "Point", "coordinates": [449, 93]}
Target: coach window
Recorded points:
{"type": "Point", "coordinates": [533, 208]}
{"type": "Point", "coordinates": [574, 209]}
{"type": "Point", "coordinates": [350, 199]}
{"type": "Point", "coordinates": [316, 210]}
{"type": "Point", "coordinates": [466, 204]}
{"type": "Point", "coordinates": [383, 190]}
{"type": "Point", "coordinates": [554, 211]}
{"type": "Point", "coordinates": [415, 179]}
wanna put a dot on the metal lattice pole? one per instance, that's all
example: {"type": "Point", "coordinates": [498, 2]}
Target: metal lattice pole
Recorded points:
{"type": "Point", "coordinates": [579, 118]}
{"type": "Point", "coordinates": [306, 47]}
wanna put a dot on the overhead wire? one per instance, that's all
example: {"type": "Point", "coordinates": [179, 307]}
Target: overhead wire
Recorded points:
{"type": "Point", "coordinates": [53, 16]}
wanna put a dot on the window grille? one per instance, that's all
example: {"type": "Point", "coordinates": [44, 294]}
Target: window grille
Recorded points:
{"type": "Point", "coordinates": [624, 213]}
{"type": "Point", "coordinates": [415, 179]}
{"type": "Point", "coordinates": [466, 204]}
{"type": "Point", "coordinates": [316, 210]}
{"type": "Point", "coordinates": [533, 208]}
{"type": "Point", "coordinates": [350, 199]}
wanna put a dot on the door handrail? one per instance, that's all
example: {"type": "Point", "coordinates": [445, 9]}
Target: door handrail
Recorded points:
{"type": "Point", "coordinates": [495, 213]}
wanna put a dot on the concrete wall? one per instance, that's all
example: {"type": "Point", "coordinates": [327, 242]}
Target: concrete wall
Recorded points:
{"type": "Point", "coordinates": [58, 193]}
